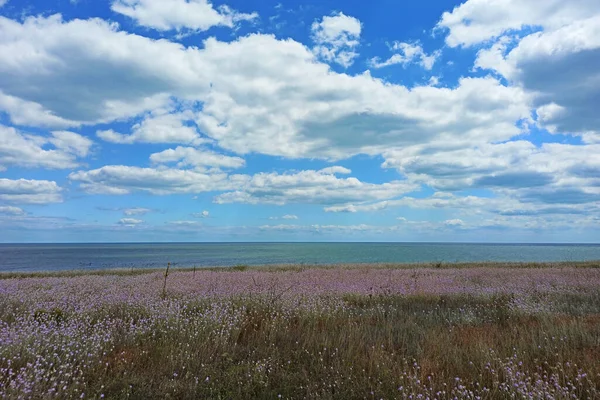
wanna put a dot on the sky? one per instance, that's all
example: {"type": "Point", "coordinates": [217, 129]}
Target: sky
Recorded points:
{"type": "Point", "coordinates": [328, 120]}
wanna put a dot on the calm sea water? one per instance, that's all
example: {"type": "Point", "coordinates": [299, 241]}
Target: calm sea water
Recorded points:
{"type": "Point", "coordinates": [38, 257]}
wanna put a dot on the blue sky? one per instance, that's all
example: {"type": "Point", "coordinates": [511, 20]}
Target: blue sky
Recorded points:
{"type": "Point", "coordinates": [190, 120]}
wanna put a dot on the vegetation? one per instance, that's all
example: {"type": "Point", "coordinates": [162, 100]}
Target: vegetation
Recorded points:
{"type": "Point", "coordinates": [373, 333]}
{"type": "Point", "coordinates": [297, 267]}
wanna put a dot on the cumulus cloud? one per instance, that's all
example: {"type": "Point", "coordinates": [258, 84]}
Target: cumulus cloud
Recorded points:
{"type": "Point", "coordinates": [287, 216]}
{"type": "Point", "coordinates": [198, 158]}
{"type": "Point", "coordinates": [71, 142]}
{"type": "Point", "coordinates": [540, 59]}
{"type": "Point", "coordinates": [130, 221]}
{"type": "Point", "coordinates": [203, 214]}
{"type": "Point", "coordinates": [438, 200]}
{"type": "Point", "coordinates": [311, 187]}
{"type": "Point", "coordinates": [552, 173]}
{"type": "Point", "coordinates": [10, 210]}
{"type": "Point", "coordinates": [405, 54]}
{"type": "Point", "coordinates": [454, 222]}
{"type": "Point", "coordinates": [23, 112]}
{"type": "Point", "coordinates": [18, 148]}
{"type": "Point", "coordinates": [162, 15]}
{"type": "Point", "coordinates": [120, 179]}
{"type": "Point", "coordinates": [325, 228]}
{"type": "Point", "coordinates": [49, 55]}
{"type": "Point", "coordinates": [185, 224]}
{"type": "Point", "coordinates": [158, 127]}
{"type": "Point", "coordinates": [336, 37]}
{"type": "Point", "coordinates": [477, 21]}
{"type": "Point", "coordinates": [291, 106]}
{"type": "Point", "coordinates": [30, 191]}
{"type": "Point", "coordinates": [136, 211]}
{"type": "Point", "coordinates": [559, 66]}
{"type": "Point", "coordinates": [549, 49]}
{"type": "Point", "coordinates": [336, 169]}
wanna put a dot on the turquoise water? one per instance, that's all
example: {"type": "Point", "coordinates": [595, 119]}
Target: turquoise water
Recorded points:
{"type": "Point", "coordinates": [38, 257]}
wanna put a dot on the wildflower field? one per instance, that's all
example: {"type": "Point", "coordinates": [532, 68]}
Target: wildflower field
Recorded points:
{"type": "Point", "coordinates": [345, 332]}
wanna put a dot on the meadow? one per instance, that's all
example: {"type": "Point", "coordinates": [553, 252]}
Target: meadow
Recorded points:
{"type": "Point", "coordinates": [493, 331]}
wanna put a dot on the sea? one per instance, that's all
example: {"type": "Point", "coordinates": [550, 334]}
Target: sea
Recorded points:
{"type": "Point", "coordinates": [56, 257]}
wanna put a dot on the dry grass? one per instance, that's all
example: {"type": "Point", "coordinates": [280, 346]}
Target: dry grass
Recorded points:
{"type": "Point", "coordinates": [300, 267]}
{"type": "Point", "coordinates": [131, 343]}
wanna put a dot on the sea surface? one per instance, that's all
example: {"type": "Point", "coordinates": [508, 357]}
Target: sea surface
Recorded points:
{"type": "Point", "coordinates": [45, 257]}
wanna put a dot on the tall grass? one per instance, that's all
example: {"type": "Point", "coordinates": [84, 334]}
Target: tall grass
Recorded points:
{"type": "Point", "coordinates": [256, 334]}
{"type": "Point", "coordinates": [296, 267]}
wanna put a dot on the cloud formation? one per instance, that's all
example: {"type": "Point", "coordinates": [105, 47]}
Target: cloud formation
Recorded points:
{"type": "Point", "coordinates": [130, 221]}
{"type": "Point", "coordinates": [177, 15]}
{"type": "Point", "coordinates": [508, 139]}
{"type": "Point", "coordinates": [336, 38]}
{"type": "Point", "coordinates": [405, 54]}
{"type": "Point", "coordinates": [29, 191]}
{"type": "Point", "coordinates": [18, 148]}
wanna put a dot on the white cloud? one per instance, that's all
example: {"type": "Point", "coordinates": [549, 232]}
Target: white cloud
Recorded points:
{"type": "Point", "coordinates": [434, 81]}
{"type": "Point", "coordinates": [130, 221]}
{"type": "Point", "coordinates": [308, 186]}
{"type": "Point", "coordinates": [120, 179]}
{"type": "Point", "coordinates": [436, 201]}
{"type": "Point", "coordinates": [456, 168]}
{"type": "Point", "coordinates": [559, 67]}
{"type": "Point", "coordinates": [408, 53]}
{"type": "Point", "coordinates": [337, 116]}
{"type": "Point", "coordinates": [482, 210]}
{"type": "Point", "coordinates": [165, 15]}
{"type": "Point", "coordinates": [21, 149]}
{"type": "Point", "coordinates": [454, 222]}
{"type": "Point", "coordinates": [203, 214]}
{"type": "Point", "coordinates": [22, 191]}
{"type": "Point", "coordinates": [550, 173]}
{"type": "Point", "coordinates": [185, 223]}
{"type": "Point", "coordinates": [550, 49]}
{"type": "Point", "coordinates": [160, 127]}
{"type": "Point", "coordinates": [291, 106]}
{"type": "Point", "coordinates": [312, 187]}
{"type": "Point", "coordinates": [287, 216]}
{"type": "Point", "coordinates": [123, 74]}
{"type": "Point", "coordinates": [198, 158]}
{"type": "Point", "coordinates": [477, 21]}
{"type": "Point", "coordinates": [10, 210]}
{"type": "Point", "coordinates": [336, 169]}
{"type": "Point", "coordinates": [325, 228]}
{"type": "Point", "coordinates": [3, 2]}
{"type": "Point", "coordinates": [24, 112]}
{"type": "Point", "coordinates": [136, 211]}
{"type": "Point", "coordinates": [71, 142]}
{"type": "Point", "coordinates": [336, 37]}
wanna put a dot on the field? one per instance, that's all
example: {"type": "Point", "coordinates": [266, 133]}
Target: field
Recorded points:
{"type": "Point", "coordinates": [345, 332]}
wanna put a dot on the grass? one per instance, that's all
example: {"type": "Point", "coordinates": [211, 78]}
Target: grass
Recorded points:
{"type": "Point", "coordinates": [297, 268]}
{"type": "Point", "coordinates": [346, 333]}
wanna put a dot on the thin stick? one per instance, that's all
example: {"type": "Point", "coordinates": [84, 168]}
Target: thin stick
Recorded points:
{"type": "Point", "coordinates": [164, 292]}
